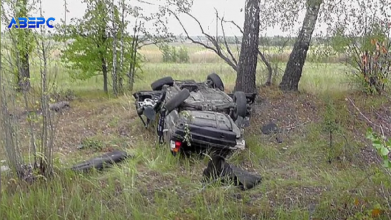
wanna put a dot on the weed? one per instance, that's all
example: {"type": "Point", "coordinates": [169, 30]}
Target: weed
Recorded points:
{"type": "Point", "coordinates": [382, 145]}
{"type": "Point", "coordinates": [89, 143]}
{"type": "Point", "coordinates": [330, 124]}
{"type": "Point", "coordinates": [188, 119]}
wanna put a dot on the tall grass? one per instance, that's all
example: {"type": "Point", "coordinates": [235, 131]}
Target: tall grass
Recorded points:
{"type": "Point", "coordinates": [316, 78]}
{"type": "Point", "coordinates": [298, 182]}
{"type": "Point", "coordinates": [199, 54]}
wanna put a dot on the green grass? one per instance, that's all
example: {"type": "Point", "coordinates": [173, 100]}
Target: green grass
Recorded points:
{"type": "Point", "coordinates": [316, 78]}
{"type": "Point", "coordinates": [155, 185]}
{"type": "Point", "coordinates": [298, 181]}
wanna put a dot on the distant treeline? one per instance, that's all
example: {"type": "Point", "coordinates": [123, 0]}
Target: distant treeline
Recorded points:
{"type": "Point", "coordinates": [277, 41]}
{"type": "Point", "coordinates": [274, 41]}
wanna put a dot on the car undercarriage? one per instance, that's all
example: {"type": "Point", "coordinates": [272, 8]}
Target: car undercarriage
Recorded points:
{"type": "Point", "coordinates": [196, 115]}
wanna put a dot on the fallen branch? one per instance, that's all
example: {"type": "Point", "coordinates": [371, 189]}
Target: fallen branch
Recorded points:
{"type": "Point", "coordinates": [367, 119]}
{"type": "Point", "coordinates": [382, 118]}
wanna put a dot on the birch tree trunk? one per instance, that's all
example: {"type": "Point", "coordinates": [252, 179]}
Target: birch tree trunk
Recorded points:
{"type": "Point", "coordinates": [24, 48]}
{"type": "Point", "coordinates": [114, 35]}
{"type": "Point", "coordinates": [133, 57]}
{"type": "Point", "coordinates": [1, 118]}
{"type": "Point", "coordinates": [47, 134]}
{"type": "Point", "coordinates": [120, 76]}
{"type": "Point", "coordinates": [247, 66]}
{"type": "Point", "coordinates": [294, 68]}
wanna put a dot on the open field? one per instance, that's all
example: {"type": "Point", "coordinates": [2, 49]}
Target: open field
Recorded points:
{"type": "Point", "coordinates": [298, 182]}
{"type": "Point", "coordinates": [316, 77]}
{"type": "Point", "coordinates": [199, 54]}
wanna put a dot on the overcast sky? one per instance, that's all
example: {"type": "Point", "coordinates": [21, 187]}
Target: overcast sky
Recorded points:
{"type": "Point", "coordinates": [202, 9]}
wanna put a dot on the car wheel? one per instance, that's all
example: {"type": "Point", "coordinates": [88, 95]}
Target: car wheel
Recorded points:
{"type": "Point", "coordinates": [177, 100]}
{"type": "Point", "coordinates": [216, 81]}
{"type": "Point", "coordinates": [240, 109]}
{"type": "Point", "coordinates": [158, 84]}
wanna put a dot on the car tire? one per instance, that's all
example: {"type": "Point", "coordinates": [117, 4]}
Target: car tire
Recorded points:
{"type": "Point", "coordinates": [240, 109]}
{"type": "Point", "coordinates": [216, 81]}
{"type": "Point", "coordinates": [177, 100]}
{"type": "Point", "coordinates": [158, 84]}
{"type": "Point", "coordinates": [101, 162]}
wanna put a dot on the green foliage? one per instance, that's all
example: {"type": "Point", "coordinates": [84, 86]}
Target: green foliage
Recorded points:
{"type": "Point", "coordinates": [188, 118]}
{"type": "Point", "coordinates": [22, 42]}
{"type": "Point", "coordinates": [89, 51]}
{"type": "Point", "coordinates": [167, 54]}
{"type": "Point", "coordinates": [330, 117]}
{"type": "Point", "coordinates": [171, 55]}
{"type": "Point", "coordinates": [382, 145]}
{"type": "Point", "coordinates": [321, 54]}
{"type": "Point", "coordinates": [340, 42]}
{"type": "Point", "coordinates": [85, 59]}
{"type": "Point", "coordinates": [368, 53]}
{"type": "Point", "coordinates": [24, 37]}
{"type": "Point", "coordinates": [174, 54]}
{"type": "Point", "coordinates": [183, 55]}
{"type": "Point", "coordinates": [330, 126]}
{"type": "Point", "coordinates": [368, 214]}
{"type": "Point", "coordinates": [90, 143]}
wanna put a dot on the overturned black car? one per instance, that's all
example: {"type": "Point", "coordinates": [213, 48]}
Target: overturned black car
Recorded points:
{"type": "Point", "coordinates": [196, 115]}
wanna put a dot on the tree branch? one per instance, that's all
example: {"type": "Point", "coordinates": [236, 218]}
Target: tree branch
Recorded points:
{"type": "Point", "coordinates": [367, 119]}
{"type": "Point", "coordinates": [145, 2]}
{"type": "Point", "coordinates": [216, 48]}
{"type": "Point", "coordinates": [237, 26]}
{"type": "Point", "coordinates": [263, 57]}
{"type": "Point", "coordinates": [236, 38]}
{"type": "Point", "coordinates": [225, 41]}
{"type": "Point", "coordinates": [268, 66]}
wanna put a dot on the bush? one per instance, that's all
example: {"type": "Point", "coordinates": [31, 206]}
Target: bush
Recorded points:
{"type": "Point", "coordinates": [183, 55]}
{"type": "Point", "coordinates": [369, 55]}
{"type": "Point", "coordinates": [374, 67]}
{"type": "Point", "coordinates": [165, 49]}
{"type": "Point", "coordinates": [171, 55]}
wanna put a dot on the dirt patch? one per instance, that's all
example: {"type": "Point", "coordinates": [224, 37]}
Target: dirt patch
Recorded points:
{"type": "Point", "coordinates": [292, 112]}
{"type": "Point", "coordinates": [289, 111]}
{"type": "Point", "coordinates": [102, 120]}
